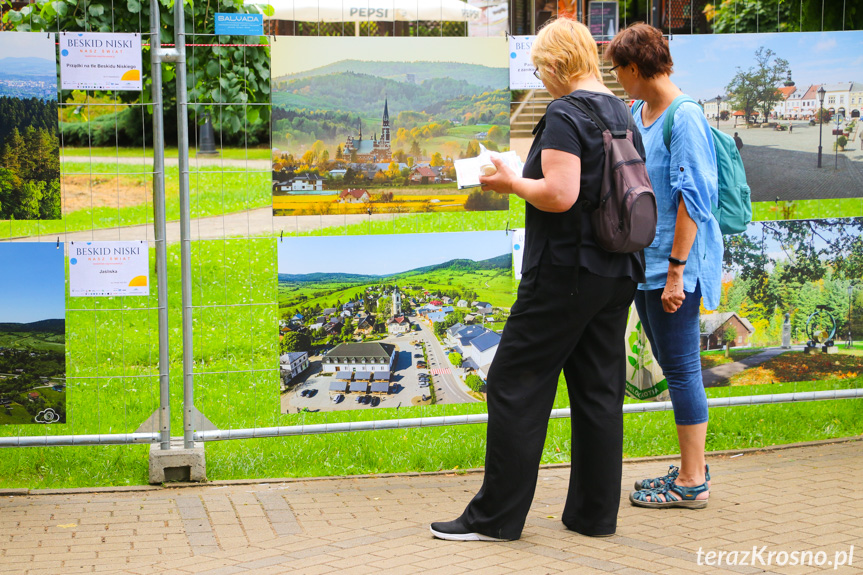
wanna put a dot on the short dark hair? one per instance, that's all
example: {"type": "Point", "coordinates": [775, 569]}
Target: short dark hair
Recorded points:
{"type": "Point", "coordinates": [644, 46]}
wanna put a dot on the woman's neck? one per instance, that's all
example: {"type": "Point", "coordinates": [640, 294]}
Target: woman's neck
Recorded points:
{"type": "Point", "coordinates": [588, 83]}
{"type": "Point", "coordinates": [658, 93]}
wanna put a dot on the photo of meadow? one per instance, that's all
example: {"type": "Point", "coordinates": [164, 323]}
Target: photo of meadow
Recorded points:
{"type": "Point", "coordinates": [373, 125]}
{"type": "Point", "coordinates": [385, 321]}
{"type": "Point", "coordinates": [32, 334]}
{"type": "Point", "coordinates": [793, 101]}
{"type": "Point", "coordinates": [29, 144]}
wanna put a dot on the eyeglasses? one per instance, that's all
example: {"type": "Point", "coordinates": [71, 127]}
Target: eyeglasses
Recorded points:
{"type": "Point", "coordinates": [613, 70]}
{"type": "Point", "coordinates": [536, 73]}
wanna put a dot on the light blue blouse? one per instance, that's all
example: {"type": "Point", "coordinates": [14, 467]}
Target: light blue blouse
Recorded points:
{"type": "Point", "coordinates": [688, 172]}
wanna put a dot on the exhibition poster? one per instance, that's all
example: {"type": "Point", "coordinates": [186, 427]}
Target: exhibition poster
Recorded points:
{"type": "Point", "coordinates": [768, 91]}
{"type": "Point", "coordinates": [365, 125]}
{"type": "Point", "coordinates": [109, 269]}
{"type": "Point", "coordinates": [521, 68]}
{"type": "Point", "coordinates": [100, 61]}
{"type": "Point", "coordinates": [29, 141]}
{"type": "Point", "coordinates": [32, 333]}
{"type": "Point", "coordinates": [390, 320]}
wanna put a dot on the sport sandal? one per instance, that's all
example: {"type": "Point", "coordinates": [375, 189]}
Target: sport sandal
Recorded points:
{"type": "Point", "coordinates": [658, 482]}
{"type": "Point", "coordinates": [674, 495]}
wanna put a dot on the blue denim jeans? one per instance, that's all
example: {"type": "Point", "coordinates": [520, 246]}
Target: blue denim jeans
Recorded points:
{"type": "Point", "coordinates": [676, 342]}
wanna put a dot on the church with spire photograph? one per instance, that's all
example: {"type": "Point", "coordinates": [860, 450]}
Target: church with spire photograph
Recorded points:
{"type": "Point", "coordinates": [375, 126]}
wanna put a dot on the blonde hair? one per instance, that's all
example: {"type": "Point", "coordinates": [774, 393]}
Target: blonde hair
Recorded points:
{"type": "Point", "coordinates": [566, 46]}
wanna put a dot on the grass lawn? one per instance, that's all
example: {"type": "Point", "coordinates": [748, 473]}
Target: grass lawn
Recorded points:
{"type": "Point", "coordinates": [807, 209]}
{"type": "Point", "coordinates": [213, 192]}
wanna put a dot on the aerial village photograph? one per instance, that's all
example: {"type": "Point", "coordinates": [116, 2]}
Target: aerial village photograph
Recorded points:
{"type": "Point", "coordinates": [389, 321]}
{"type": "Point", "coordinates": [768, 92]}
{"type": "Point", "coordinates": [373, 125]}
{"type": "Point", "coordinates": [32, 334]}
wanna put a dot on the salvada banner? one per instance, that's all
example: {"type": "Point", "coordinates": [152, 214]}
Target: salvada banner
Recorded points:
{"type": "Point", "coordinates": [239, 24]}
{"type": "Point", "coordinates": [100, 61]}
{"type": "Point", "coordinates": [108, 269]}
{"type": "Point", "coordinates": [520, 66]}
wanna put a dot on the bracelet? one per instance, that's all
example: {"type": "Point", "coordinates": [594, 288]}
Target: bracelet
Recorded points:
{"type": "Point", "coordinates": [676, 261]}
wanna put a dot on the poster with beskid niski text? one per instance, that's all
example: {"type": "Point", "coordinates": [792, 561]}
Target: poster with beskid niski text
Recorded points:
{"type": "Point", "coordinates": [108, 269]}
{"type": "Point", "coordinates": [100, 61]}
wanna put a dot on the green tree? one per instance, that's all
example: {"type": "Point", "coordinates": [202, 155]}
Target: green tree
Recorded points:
{"type": "Point", "coordinates": [783, 15]}
{"type": "Point", "coordinates": [757, 86]}
{"type": "Point", "coordinates": [475, 383]}
{"type": "Point", "coordinates": [456, 359]}
{"type": "Point", "coordinates": [293, 341]}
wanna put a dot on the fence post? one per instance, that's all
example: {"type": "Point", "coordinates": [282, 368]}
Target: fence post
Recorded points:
{"type": "Point", "coordinates": [160, 225]}
{"type": "Point", "coordinates": [185, 225]}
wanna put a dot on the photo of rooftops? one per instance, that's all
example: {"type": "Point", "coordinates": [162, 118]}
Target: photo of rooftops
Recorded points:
{"type": "Point", "coordinates": [390, 321]}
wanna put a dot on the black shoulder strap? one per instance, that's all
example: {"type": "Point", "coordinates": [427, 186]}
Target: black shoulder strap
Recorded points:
{"type": "Point", "coordinates": [592, 115]}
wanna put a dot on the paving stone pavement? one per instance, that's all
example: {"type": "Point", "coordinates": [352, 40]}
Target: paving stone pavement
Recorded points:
{"type": "Point", "coordinates": [379, 524]}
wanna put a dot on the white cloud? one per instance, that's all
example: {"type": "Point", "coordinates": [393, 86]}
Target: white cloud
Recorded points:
{"type": "Point", "coordinates": [825, 45]}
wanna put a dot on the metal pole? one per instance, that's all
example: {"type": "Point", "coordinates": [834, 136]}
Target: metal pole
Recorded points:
{"type": "Point", "coordinates": [820, 130]}
{"type": "Point", "coordinates": [159, 225]}
{"type": "Point", "coordinates": [836, 144]}
{"type": "Point", "coordinates": [185, 225]}
{"type": "Point", "coordinates": [643, 407]}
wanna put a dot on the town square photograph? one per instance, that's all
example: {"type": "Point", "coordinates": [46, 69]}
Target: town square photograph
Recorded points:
{"type": "Point", "coordinates": [792, 101]}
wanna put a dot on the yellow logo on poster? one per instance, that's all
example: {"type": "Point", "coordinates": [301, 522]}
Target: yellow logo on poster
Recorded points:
{"type": "Point", "coordinates": [131, 76]}
{"type": "Point", "coordinates": [138, 281]}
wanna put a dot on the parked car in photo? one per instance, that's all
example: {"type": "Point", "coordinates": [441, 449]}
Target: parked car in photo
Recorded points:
{"type": "Point", "coordinates": [304, 393]}
{"type": "Point", "coordinates": [376, 401]}
{"type": "Point", "coordinates": [338, 398]}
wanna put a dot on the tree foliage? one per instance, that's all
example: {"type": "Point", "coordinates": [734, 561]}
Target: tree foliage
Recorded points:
{"type": "Point", "coordinates": [756, 88]}
{"type": "Point", "coordinates": [216, 75]}
{"type": "Point", "coordinates": [729, 16]}
{"type": "Point", "coordinates": [29, 159]}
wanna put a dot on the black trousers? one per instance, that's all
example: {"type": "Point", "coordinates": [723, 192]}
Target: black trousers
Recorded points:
{"type": "Point", "coordinates": [554, 327]}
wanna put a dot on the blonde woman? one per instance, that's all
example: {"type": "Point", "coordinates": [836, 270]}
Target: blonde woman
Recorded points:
{"type": "Point", "coordinates": [570, 314]}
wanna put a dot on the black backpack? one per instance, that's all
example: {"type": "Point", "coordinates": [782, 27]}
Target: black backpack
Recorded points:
{"type": "Point", "coordinates": [624, 217]}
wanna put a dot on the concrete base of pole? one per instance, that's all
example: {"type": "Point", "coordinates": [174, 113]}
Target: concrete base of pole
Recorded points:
{"type": "Point", "coordinates": [829, 349]}
{"type": "Point", "coordinates": [177, 464]}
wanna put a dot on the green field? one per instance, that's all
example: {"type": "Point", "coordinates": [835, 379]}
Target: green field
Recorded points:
{"type": "Point", "coordinates": [112, 367]}
{"type": "Point", "coordinates": [108, 152]}
{"type": "Point", "coordinates": [34, 341]}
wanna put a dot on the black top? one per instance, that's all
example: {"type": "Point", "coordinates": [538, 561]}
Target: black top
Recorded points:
{"type": "Point", "coordinates": [566, 128]}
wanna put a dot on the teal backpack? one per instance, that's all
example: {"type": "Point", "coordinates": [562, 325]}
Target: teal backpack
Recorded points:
{"type": "Point", "coordinates": [734, 211]}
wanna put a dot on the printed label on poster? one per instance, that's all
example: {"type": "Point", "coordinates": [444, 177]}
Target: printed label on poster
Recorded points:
{"type": "Point", "coordinates": [97, 61]}
{"type": "Point", "coordinates": [520, 66]}
{"type": "Point", "coordinates": [108, 268]}
{"type": "Point", "coordinates": [240, 24]}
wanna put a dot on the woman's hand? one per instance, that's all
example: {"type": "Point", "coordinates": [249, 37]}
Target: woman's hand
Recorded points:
{"type": "Point", "coordinates": [672, 295]}
{"type": "Point", "coordinates": [501, 181]}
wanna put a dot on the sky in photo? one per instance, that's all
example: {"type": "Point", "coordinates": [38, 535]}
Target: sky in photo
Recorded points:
{"type": "Point", "coordinates": [386, 254]}
{"type": "Point", "coordinates": [27, 45]}
{"type": "Point", "coordinates": [705, 64]}
{"type": "Point", "coordinates": [293, 54]}
{"type": "Point", "coordinates": [33, 284]}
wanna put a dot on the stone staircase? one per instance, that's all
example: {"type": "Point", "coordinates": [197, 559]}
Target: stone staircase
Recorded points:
{"type": "Point", "coordinates": [525, 114]}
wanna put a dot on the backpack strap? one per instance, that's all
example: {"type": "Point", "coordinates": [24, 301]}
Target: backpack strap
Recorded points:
{"type": "Point", "coordinates": [592, 115]}
{"type": "Point", "coordinates": [668, 124]}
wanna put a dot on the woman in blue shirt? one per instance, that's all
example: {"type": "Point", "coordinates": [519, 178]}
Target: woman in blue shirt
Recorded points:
{"type": "Point", "coordinates": [684, 263]}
